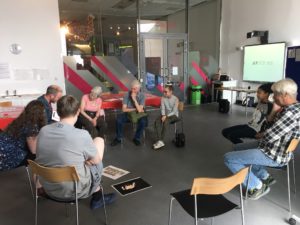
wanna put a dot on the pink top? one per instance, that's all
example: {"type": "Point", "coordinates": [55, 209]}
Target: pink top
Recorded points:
{"type": "Point", "coordinates": [92, 106]}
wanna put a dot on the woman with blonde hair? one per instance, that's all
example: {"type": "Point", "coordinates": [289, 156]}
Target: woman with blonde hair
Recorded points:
{"type": "Point", "coordinates": [91, 115]}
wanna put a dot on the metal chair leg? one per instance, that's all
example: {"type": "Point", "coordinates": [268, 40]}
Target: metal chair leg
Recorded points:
{"type": "Point", "coordinates": [29, 179]}
{"type": "Point", "coordinates": [242, 205]}
{"type": "Point", "coordinates": [248, 181]}
{"type": "Point", "coordinates": [170, 210]}
{"type": "Point", "coordinates": [104, 205]}
{"type": "Point", "coordinates": [289, 188]}
{"type": "Point", "coordinates": [294, 174]}
{"type": "Point", "coordinates": [212, 220]}
{"type": "Point", "coordinates": [196, 210]}
{"type": "Point", "coordinates": [36, 206]}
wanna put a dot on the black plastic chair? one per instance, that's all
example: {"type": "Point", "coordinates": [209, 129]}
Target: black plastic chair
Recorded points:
{"type": "Point", "coordinates": [206, 200]}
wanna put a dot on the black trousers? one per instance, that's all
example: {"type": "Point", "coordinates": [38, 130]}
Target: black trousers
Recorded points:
{"type": "Point", "coordinates": [235, 133]}
{"type": "Point", "coordinates": [97, 131]}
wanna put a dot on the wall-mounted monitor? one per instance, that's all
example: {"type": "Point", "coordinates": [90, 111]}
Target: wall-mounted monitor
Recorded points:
{"type": "Point", "coordinates": [264, 63]}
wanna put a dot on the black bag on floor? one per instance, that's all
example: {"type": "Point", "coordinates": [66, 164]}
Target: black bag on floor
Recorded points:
{"type": "Point", "coordinates": [179, 140]}
{"type": "Point", "coordinates": [224, 106]}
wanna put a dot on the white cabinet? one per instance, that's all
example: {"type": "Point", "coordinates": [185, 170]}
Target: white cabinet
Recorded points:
{"type": "Point", "coordinates": [225, 94]}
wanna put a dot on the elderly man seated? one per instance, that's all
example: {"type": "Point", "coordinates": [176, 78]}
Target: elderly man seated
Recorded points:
{"type": "Point", "coordinates": [271, 150]}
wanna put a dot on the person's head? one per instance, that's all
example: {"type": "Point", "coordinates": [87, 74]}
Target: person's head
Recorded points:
{"type": "Point", "coordinates": [135, 86]}
{"type": "Point", "coordinates": [263, 92]}
{"type": "Point", "coordinates": [285, 92]}
{"type": "Point", "coordinates": [54, 93]}
{"type": "Point", "coordinates": [34, 115]}
{"type": "Point", "coordinates": [168, 91]}
{"type": "Point", "coordinates": [68, 107]}
{"type": "Point", "coordinates": [95, 92]}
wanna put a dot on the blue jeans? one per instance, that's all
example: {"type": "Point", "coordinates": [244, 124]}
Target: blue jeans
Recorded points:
{"type": "Point", "coordinates": [123, 118]}
{"type": "Point", "coordinates": [238, 160]}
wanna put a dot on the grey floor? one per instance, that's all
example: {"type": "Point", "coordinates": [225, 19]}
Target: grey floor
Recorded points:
{"type": "Point", "coordinates": [169, 170]}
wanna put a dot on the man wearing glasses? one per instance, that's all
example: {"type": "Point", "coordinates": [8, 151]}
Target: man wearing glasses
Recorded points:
{"type": "Point", "coordinates": [133, 101]}
{"type": "Point", "coordinates": [169, 114]}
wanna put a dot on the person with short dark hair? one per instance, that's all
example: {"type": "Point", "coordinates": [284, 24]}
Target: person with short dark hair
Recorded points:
{"type": "Point", "coordinates": [53, 93]}
{"type": "Point", "coordinates": [61, 144]}
{"type": "Point", "coordinates": [257, 125]}
{"type": "Point", "coordinates": [18, 140]}
{"type": "Point", "coordinates": [271, 150]}
{"type": "Point", "coordinates": [169, 114]}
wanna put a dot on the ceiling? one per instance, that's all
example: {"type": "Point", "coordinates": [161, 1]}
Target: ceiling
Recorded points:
{"type": "Point", "coordinates": [150, 9]}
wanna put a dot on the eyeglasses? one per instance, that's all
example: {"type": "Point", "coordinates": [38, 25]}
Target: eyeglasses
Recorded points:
{"type": "Point", "coordinates": [165, 92]}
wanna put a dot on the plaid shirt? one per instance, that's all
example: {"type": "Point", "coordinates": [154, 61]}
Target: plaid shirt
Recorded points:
{"type": "Point", "coordinates": [277, 138]}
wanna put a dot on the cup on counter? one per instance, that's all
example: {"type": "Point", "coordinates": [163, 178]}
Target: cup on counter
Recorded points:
{"type": "Point", "coordinates": [15, 92]}
{"type": "Point", "coordinates": [7, 92]}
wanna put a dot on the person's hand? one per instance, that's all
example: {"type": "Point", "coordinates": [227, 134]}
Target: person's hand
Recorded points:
{"type": "Point", "coordinates": [133, 96]}
{"type": "Point", "coordinates": [88, 163]}
{"type": "Point", "coordinates": [94, 122]}
{"type": "Point", "coordinates": [259, 135]}
{"type": "Point", "coordinates": [163, 118]}
{"type": "Point", "coordinates": [276, 108]}
{"type": "Point", "coordinates": [128, 186]}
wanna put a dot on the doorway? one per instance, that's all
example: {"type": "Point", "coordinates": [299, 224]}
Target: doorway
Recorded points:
{"type": "Point", "coordinates": [164, 61]}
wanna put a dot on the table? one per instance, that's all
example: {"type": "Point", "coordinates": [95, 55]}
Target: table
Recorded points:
{"type": "Point", "coordinates": [8, 114]}
{"type": "Point", "coordinates": [237, 89]}
{"type": "Point", "coordinates": [114, 101]}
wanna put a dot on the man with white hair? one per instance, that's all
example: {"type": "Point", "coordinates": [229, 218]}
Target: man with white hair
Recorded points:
{"type": "Point", "coordinates": [271, 151]}
{"type": "Point", "coordinates": [133, 101]}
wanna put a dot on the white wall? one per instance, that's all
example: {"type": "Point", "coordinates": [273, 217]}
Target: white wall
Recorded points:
{"type": "Point", "coordinates": [34, 24]}
{"type": "Point", "coordinates": [280, 18]}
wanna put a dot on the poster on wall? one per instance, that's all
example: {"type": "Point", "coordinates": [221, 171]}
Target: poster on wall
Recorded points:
{"type": "Point", "coordinates": [5, 72]}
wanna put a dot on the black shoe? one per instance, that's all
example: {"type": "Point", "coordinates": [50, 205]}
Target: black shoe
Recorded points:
{"type": "Point", "coordinates": [136, 142]}
{"type": "Point", "coordinates": [269, 181]}
{"type": "Point", "coordinates": [256, 194]}
{"type": "Point", "coordinates": [115, 142]}
{"type": "Point", "coordinates": [108, 198]}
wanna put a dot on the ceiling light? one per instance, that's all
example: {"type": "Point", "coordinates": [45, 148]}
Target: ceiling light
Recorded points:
{"type": "Point", "coordinates": [119, 28]}
{"type": "Point", "coordinates": [118, 33]}
{"type": "Point", "coordinates": [111, 28]}
{"type": "Point", "coordinates": [129, 28]}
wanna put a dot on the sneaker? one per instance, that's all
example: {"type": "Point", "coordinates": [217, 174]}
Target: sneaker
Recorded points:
{"type": "Point", "coordinates": [269, 181]}
{"type": "Point", "coordinates": [108, 199]}
{"type": "Point", "coordinates": [256, 194]}
{"type": "Point", "coordinates": [115, 142]}
{"type": "Point", "coordinates": [158, 145]}
{"type": "Point", "coordinates": [136, 142]}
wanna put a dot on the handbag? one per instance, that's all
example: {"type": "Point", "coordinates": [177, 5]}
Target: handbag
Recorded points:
{"type": "Point", "coordinates": [134, 116]}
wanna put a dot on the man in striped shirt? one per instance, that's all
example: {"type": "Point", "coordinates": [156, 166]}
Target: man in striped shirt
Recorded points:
{"type": "Point", "coordinates": [271, 151]}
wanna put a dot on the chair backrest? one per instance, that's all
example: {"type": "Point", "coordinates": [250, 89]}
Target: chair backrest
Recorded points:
{"type": "Point", "coordinates": [216, 186]}
{"type": "Point", "coordinates": [6, 104]}
{"type": "Point", "coordinates": [54, 174]}
{"type": "Point", "coordinates": [180, 106]}
{"type": "Point", "coordinates": [293, 145]}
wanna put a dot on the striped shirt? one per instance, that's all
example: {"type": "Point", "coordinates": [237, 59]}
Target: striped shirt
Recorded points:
{"type": "Point", "coordinates": [277, 138]}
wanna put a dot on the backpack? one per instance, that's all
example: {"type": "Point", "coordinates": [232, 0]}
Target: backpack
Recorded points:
{"type": "Point", "coordinates": [224, 106]}
{"type": "Point", "coordinates": [179, 140]}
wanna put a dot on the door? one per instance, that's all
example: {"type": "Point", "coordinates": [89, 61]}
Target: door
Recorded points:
{"type": "Point", "coordinates": [164, 61]}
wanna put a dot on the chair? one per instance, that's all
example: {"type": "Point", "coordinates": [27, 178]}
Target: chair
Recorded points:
{"type": "Point", "coordinates": [25, 164]}
{"type": "Point", "coordinates": [57, 175]}
{"type": "Point", "coordinates": [6, 104]}
{"type": "Point", "coordinates": [206, 200]}
{"type": "Point", "coordinates": [291, 148]}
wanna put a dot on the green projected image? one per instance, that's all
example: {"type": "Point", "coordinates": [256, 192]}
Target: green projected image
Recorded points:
{"type": "Point", "coordinates": [264, 63]}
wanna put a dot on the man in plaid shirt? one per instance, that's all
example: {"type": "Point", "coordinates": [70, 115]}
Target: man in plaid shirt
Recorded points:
{"type": "Point", "coordinates": [271, 151]}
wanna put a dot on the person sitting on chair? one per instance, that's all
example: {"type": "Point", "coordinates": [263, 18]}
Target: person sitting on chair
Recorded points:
{"type": "Point", "coordinates": [18, 140]}
{"type": "Point", "coordinates": [91, 113]}
{"type": "Point", "coordinates": [271, 150]}
{"type": "Point", "coordinates": [52, 95]}
{"type": "Point", "coordinates": [61, 144]}
{"type": "Point", "coordinates": [169, 114]}
{"type": "Point", "coordinates": [134, 101]}
{"type": "Point", "coordinates": [255, 127]}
